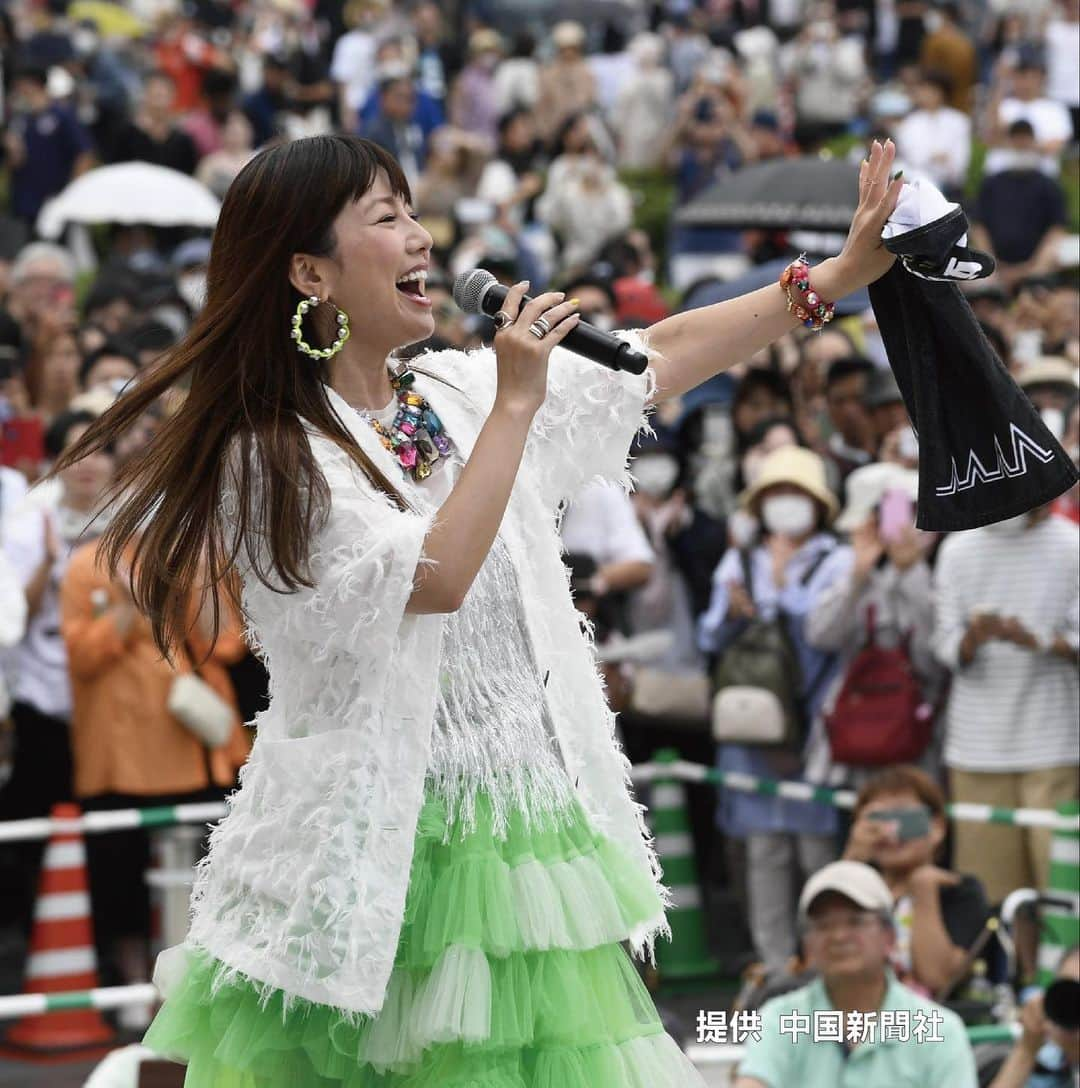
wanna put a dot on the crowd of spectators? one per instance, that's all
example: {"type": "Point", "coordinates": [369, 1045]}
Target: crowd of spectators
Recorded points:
{"type": "Point", "coordinates": [778, 495]}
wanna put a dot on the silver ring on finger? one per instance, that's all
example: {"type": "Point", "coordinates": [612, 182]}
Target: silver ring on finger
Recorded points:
{"type": "Point", "coordinates": [544, 324]}
{"type": "Point", "coordinates": [538, 332]}
{"type": "Point", "coordinates": [502, 319]}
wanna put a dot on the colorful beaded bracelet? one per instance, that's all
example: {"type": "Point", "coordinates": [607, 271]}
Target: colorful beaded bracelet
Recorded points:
{"type": "Point", "coordinates": [810, 308]}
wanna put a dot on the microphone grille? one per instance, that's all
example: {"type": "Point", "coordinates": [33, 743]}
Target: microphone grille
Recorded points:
{"type": "Point", "coordinates": [470, 288]}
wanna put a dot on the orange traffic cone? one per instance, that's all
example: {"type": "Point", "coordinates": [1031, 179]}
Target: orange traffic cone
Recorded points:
{"type": "Point", "coordinates": [62, 957]}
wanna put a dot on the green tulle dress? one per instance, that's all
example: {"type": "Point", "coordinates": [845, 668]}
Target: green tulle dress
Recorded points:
{"type": "Point", "coordinates": [509, 974]}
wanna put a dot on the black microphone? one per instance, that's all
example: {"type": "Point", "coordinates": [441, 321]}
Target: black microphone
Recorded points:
{"type": "Point", "coordinates": [479, 291]}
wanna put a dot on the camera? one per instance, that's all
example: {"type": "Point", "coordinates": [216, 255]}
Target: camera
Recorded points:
{"type": "Point", "coordinates": [1061, 1004]}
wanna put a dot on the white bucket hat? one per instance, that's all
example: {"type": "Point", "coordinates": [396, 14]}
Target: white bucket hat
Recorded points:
{"type": "Point", "coordinates": [866, 486]}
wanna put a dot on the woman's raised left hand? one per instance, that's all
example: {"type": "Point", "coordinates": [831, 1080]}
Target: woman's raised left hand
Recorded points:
{"type": "Point", "coordinates": [864, 258]}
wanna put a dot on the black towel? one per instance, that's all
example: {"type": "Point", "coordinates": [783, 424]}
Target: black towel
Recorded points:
{"type": "Point", "coordinates": [985, 454]}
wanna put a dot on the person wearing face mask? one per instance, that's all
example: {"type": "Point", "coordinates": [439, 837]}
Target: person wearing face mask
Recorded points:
{"type": "Point", "coordinates": [1007, 601]}
{"type": "Point", "coordinates": [189, 261]}
{"type": "Point", "coordinates": [114, 363]}
{"type": "Point", "coordinates": [597, 300]}
{"type": "Point", "coordinates": [512, 178]}
{"type": "Point", "coordinates": [676, 530]}
{"type": "Point", "coordinates": [600, 524]}
{"type": "Point", "coordinates": [473, 107]}
{"type": "Point", "coordinates": [884, 599]}
{"type": "Point", "coordinates": [796, 562]}
{"type": "Point", "coordinates": [583, 201]}
{"type": "Point", "coordinates": [668, 695]}
{"type": "Point", "coordinates": [1052, 385]}
{"type": "Point", "coordinates": [45, 145]}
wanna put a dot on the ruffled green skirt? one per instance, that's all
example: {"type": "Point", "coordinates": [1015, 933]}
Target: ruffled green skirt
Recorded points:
{"type": "Point", "coordinates": [508, 974]}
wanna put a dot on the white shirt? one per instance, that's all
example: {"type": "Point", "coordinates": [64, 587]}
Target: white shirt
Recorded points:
{"type": "Point", "coordinates": [12, 604]}
{"type": "Point", "coordinates": [353, 65]}
{"type": "Point", "coordinates": [611, 71]}
{"type": "Point", "coordinates": [1063, 62]}
{"type": "Point", "coordinates": [516, 83]}
{"type": "Point", "coordinates": [601, 522]}
{"type": "Point", "coordinates": [1050, 120]}
{"type": "Point", "coordinates": [37, 667]}
{"type": "Point", "coordinates": [12, 622]}
{"type": "Point", "coordinates": [587, 215]}
{"type": "Point", "coordinates": [13, 487]}
{"type": "Point", "coordinates": [1011, 709]}
{"type": "Point", "coordinates": [938, 143]}
{"type": "Point", "coordinates": [497, 183]}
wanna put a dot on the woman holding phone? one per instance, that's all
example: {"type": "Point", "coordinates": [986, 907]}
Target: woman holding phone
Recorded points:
{"type": "Point", "coordinates": [885, 595]}
{"type": "Point", "coordinates": [899, 826]}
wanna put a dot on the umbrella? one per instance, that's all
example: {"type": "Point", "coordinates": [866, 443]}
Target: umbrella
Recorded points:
{"type": "Point", "coordinates": [111, 20]}
{"type": "Point", "coordinates": [131, 192]}
{"type": "Point", "coordinates": [785, 194]}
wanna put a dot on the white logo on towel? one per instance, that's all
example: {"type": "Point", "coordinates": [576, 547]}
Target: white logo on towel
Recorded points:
{"type": "Point", "coordinates": [954, 270]}
{"type": "Point", "coordinates": [978, 473]}
{"type": "Point", "coordinates": [963, 270]}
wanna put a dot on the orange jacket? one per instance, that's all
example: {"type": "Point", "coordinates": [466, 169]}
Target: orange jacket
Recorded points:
{"type": "Point", "coordinates": [123, 738]}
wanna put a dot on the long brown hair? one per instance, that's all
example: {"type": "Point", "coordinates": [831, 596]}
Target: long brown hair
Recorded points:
{"type": "Point", "coordinates": [249, 388]}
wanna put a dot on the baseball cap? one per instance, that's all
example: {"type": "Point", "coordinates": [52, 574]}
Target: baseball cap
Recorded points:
{"type": "Point", "coordinates": [854, 880]}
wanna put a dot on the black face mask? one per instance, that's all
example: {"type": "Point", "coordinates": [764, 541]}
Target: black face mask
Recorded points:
{"type": "Point", "coordinates": [985, 454]}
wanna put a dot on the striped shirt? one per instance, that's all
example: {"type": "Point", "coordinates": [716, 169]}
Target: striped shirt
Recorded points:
{"type": "Point", "coordinates": [1011, 709]}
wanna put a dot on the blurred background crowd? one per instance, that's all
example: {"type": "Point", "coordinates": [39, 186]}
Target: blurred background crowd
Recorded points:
{"type": "Point", "coordinates": [589, 147]}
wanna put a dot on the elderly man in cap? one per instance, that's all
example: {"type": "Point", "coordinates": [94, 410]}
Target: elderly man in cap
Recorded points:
{"type": "Point", "coordinates": [856, 1026]}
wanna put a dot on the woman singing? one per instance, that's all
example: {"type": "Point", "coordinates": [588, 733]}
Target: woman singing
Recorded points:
{"type": "Point", "coordinates": [427, 873]}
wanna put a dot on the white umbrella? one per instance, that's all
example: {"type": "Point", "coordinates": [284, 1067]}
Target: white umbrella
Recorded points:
{"type": "Point", "coordinates": [130, 192]}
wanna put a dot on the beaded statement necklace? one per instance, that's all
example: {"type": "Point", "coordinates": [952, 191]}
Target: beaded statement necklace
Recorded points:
{"type": "Point", "coordinates": [416, 436]}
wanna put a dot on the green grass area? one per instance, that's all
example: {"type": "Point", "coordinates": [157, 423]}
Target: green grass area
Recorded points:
{"type": "Point", "coordinates": [654, 202]}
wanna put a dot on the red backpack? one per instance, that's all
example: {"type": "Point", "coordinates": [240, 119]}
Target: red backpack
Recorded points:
{"type": "Point", "coordinates": [880, 715]}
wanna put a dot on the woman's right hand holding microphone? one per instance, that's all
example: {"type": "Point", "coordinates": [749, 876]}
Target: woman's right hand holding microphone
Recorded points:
{"type": "Point", "coordinates": [524, 337]}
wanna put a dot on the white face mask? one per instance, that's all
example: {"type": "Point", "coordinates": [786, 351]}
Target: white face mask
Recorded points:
{"type": "Point", "coordinates": [789, 515]}
{"type": "Point", "coordinates": [908, 445]}
{"type": "Point", "coordinates": [655, 474]}
{"type": "Point", "coordinates": [191, 287]}
{"type": "Point", "coordinates": [600, 320]}
{"type": "Point", "coordinates": [1054, 418]}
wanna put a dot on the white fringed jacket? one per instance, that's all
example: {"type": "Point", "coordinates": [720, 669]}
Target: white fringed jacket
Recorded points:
{"type": "Point", "coordinates": [304, 887]}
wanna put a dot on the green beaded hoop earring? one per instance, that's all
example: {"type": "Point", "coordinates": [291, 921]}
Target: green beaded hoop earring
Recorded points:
{"type": "Point", "coordinates": [298, 332]}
